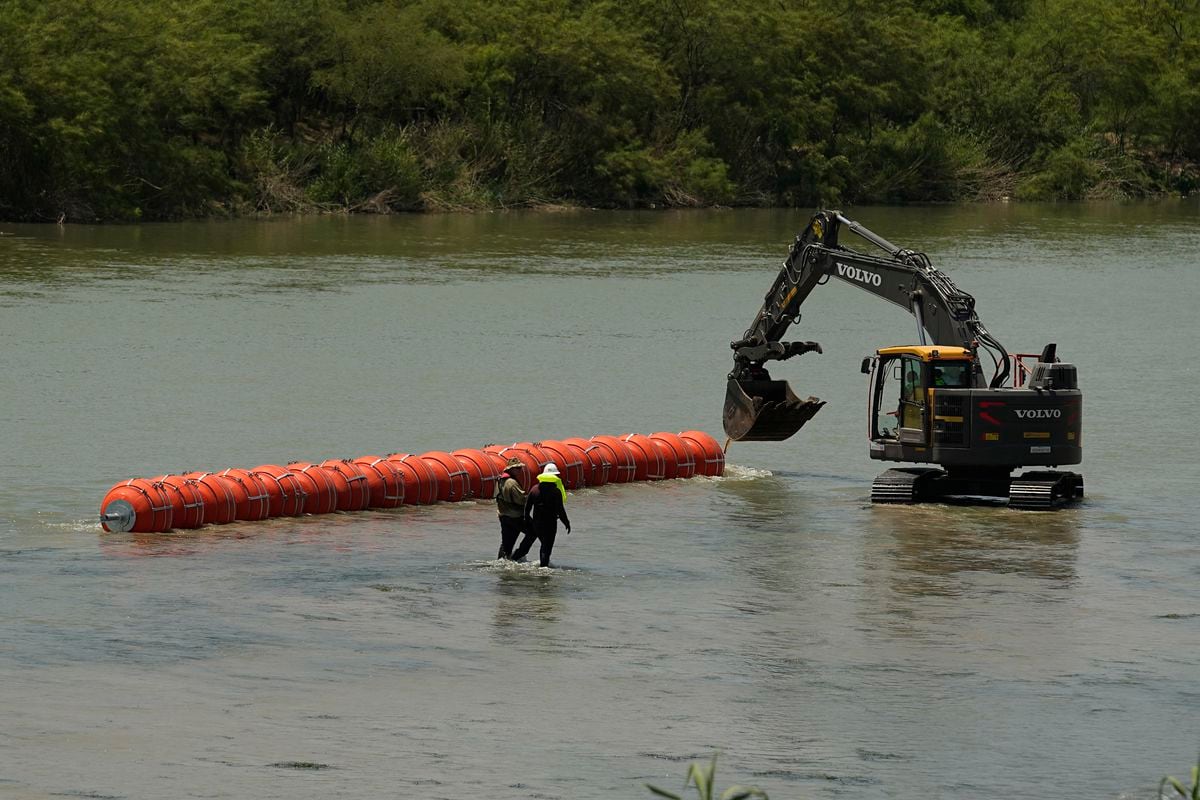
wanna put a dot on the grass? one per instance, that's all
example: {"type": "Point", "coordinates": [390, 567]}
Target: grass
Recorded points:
{"type": "Point", "coordinates": [704, 780]}
{"type": "Point", "coordinates": [1192, 793]}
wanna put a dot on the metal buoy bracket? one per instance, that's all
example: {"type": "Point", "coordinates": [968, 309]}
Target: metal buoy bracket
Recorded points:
{"type": "Point", "coordinates": [119, 516]}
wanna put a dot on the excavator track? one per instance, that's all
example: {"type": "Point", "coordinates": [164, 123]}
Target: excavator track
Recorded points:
{"type": "Point", "coordinates": [904, 485]}
{"type": "Point", "coordinates": [1043, 491]}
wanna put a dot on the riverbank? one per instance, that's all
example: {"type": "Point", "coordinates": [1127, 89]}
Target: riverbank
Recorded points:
{"type": "Point", "coordinates": [122, 112]}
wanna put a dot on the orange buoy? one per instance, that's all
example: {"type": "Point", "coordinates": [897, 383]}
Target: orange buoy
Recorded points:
{"type": "Point", "coordinates": [497, 461]}
{"type": "Point", "coordinates": [219, 504]}
{"type": "Point", "coordinates": [655, 470]}
{"type": "Point", "coordinates": [623, 467]}
{"type": "Point", "coordinates": [249, 494]}
{"type": "Point", "coordinates": [535, 449]}
{"type": "Point", "coordinates": [579, 453]}
{"type": "Point", "coordinates": [670, 461]}
{"type": "Point", "coordinates": [472, 474]}
{"type": "Point", "coordinates": [318, 485]}
{"type": "Point", "coordinates": [384, 481]}
{"type": "Point", "coordinates": [341, 486]}
{"type": "Point", "coordinates": [678, 460]}
{"type": "Point", "coordinates": [452, 478]}
{"type": "Point", "coordinates": [420, 482]}
{"type": "Point", "coordinates": [526, 477]}
{"type": "Point", "coordinates": [137, 505]}
{"type": "Point", "coordinates": [353, 494]}
{"type": "Point", "coordinates": [481, 471]}
{"type": "Point", "coordinates": [710, 458]}
{"type": "Point", "coordinates": [287, 497]}
{"type": "Point", "coordinates": [570, 464]}
{"type": "Point", "coordinates": [540, 456]}
{"type": "Point", "coordinates": [187, 499]}
{"type": "Point", "coordinates": [597, 463]}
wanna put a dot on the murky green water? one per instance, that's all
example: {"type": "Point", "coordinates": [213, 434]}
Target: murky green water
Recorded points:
{"type": "Point", "coordinates": [824, 646]}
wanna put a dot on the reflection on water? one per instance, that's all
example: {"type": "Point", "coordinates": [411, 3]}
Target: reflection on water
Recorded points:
{"type": "Point", "coordinates": [930, 549]}
{"type": "Point", "coordinates": [774, 524]}
{"type": "Point", "coordinates": [187, 543]}
{"type": "Point", "coordinates": [757, 503]}
{"type": "Point", "coordinates": [529, 603]}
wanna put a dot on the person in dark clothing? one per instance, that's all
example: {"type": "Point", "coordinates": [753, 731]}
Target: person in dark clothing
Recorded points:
{"type": "Point", "coordinates": [543, 509]}
{"type": "Point", "coordinates": [510, 505]}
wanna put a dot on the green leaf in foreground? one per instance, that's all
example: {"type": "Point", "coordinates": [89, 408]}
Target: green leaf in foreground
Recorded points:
{"type": "Point", "coordinates": [1192, 793]}
{"type": "Point", "coordinates": [704, 779]}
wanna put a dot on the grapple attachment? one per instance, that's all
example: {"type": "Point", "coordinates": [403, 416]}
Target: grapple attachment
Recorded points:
{"type": "Point", "coordinates": [765, 411]}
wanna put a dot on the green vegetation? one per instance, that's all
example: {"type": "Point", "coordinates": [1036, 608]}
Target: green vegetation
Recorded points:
{"type": "Point", "coordinates": [119, 110]}
{"type": "Point", "coordinates": [703, 779]}
{"type": "Point", "coordinates": [1177, 786]}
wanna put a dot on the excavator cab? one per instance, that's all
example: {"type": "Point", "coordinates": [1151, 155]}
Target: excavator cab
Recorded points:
{"type": "Point", "coordinates": [903, 386]}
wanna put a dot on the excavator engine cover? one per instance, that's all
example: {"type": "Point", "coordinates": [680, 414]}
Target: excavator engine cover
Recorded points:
{"type": "Point", "coordinates": [765, 411]}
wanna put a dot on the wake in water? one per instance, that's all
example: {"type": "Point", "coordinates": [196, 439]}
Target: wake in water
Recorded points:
{"type": "Point", "coordinates": [505, 566]}
{"type": "Point", "coordinates": [737, 472]}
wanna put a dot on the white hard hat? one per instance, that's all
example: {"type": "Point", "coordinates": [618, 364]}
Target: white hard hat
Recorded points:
{"type": "Point", "coordinates": [550, 469]}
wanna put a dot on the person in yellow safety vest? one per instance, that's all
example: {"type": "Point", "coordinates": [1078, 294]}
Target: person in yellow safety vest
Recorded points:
{"type": "Point", "coordinates": [544, 507]}
{"type": "Point", "coordinates": [510, 505]}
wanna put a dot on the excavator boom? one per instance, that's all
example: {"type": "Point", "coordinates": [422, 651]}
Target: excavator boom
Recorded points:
{"type": "Point", "coordinates": [758, 408]}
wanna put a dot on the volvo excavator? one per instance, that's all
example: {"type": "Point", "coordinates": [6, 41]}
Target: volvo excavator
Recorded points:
{"type": "Point", "coordinates": [931, 404]}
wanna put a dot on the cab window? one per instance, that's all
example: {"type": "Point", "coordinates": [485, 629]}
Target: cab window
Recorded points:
{"type": "Point", "coordinates": [911, 396]}
{"type": "Point", "coordinates": [951, 375]}
{"type": "Point", "coordinates": [898, 398]}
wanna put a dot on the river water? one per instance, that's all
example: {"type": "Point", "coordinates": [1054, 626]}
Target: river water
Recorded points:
{"type": "Point", "coordinates": [824, 647]}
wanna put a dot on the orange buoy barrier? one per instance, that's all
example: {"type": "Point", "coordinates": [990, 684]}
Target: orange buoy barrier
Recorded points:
{"type": "Point", "coordinates": [219, 505]}
{"type": "Point", "coordinates": [620, 457]}
{"type": "Point", "coordinates": [597, 463]}
{"type": "Point", "coordinates": [249, 495]}
{"type": "Point", "coordinates": [384, 482]}
{"type": "Point", "coordinates": [420, 484]}
{"type": "Point", "coordinates": [678, 461]}
{"type": "Point", "coordinates": [317, 485]}
{"type": "Point", "coordinates": [569, 462]}
{"type": "Point", "coordinates": [137, 506]}
{"type": "Point", "coordinates": [452, 478]}
{"type": "Point", "coordinates": [352, 491]}
{"type": "Point", "coordinates": [186, 498]}
{"type": "Point", "coordinates": [287, 496]}
{"type": "Point", "coordinates": [151, 505]}
{"type": "Point", "coordinates": [707, 452]}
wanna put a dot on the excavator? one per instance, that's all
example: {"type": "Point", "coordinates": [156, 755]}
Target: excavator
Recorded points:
{"type": "Point", "coordinates": [931, 404]}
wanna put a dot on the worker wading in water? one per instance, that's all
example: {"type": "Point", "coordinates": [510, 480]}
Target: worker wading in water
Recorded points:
{"type": "Point", "coordinates": [510, 505]}
{"type": "Point", "coordinates": [543, 509]}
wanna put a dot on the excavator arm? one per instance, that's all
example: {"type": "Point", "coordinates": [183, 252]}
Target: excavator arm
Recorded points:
{"type": "Point", "coordinates": [758, 408]}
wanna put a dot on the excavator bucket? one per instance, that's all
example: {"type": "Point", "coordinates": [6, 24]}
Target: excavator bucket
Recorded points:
{"type": "Point", "coordinates": [765, 411]}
